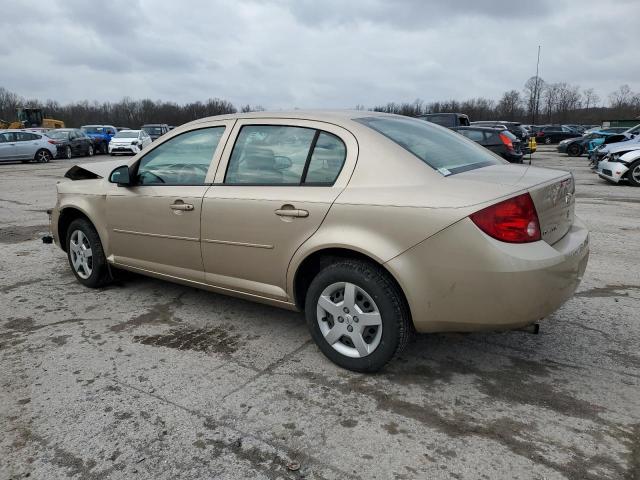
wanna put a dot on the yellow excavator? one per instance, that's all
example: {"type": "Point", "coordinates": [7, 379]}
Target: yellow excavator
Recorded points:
{"type": "Point", "coordinates": [32, 118]}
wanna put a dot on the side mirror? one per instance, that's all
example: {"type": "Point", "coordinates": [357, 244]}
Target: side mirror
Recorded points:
{"type": "Point", "coordinates": [121, 176]}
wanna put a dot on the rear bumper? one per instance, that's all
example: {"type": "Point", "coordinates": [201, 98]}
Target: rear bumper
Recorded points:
{"type": "Point", "coordinates": [612, 171]}
{"type": "Point", "coordinates": [463, 280]}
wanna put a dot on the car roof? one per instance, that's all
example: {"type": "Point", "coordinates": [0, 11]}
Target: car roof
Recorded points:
{"type": "Point", "coordinates": [130, 130]}
{"type": "Point", "coordinates": [329, 116]}
{"type": "Point", "coordinates": [23, 130]}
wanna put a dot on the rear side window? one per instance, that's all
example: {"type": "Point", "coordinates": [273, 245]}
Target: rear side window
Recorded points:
{"type": "Point", "coordinates": [442, 150]}
{"type": "Point", "coordinates": [475, 135]}
{"type": "Point", "coordinates": [444, 120]}
{"type": "Point", "coordinates": [326, 161]}
{"type": "Point", "coordinates": [285, 155]}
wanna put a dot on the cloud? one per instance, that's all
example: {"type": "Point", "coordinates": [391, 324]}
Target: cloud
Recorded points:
{"type": "Point", "coordinates": [305, 53]}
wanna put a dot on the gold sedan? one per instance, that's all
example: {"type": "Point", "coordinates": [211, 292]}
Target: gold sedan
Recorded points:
{"type": "Point", "coordinates": [374, 225]}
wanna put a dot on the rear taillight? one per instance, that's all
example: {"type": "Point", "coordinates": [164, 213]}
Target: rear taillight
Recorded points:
{"type": "Point", "coordinates": [539, 134]}
{"type": "Point", "coordinates": [514, 220]}
{"type": "Point", "coordinates": [53, 142]}
{"type": "Point", "coordinates": [507, 141]}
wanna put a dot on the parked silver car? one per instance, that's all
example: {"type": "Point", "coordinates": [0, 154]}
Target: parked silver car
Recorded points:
{"type": "Point", "coordinates": [24, 146]}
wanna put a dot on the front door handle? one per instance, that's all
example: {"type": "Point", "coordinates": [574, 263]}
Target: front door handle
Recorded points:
{"type": "Point", "coordinates": [180, 205]}
{"type": "Point", "coordinates": [292, 212]}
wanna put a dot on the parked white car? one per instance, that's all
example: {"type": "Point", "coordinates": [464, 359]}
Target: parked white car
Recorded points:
{"type": "Point", "coordinates": [25, 146]}
{"type": "Point", "coordinates": [129, 141]}
{"type": "Point", "coordinates": [616, 167]}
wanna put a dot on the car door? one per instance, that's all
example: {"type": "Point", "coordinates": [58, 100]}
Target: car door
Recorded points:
{"type": "Point", "coordinates": [26, 145]}
{"type": "Point", "coordinates": [274, 186]}
{"type": "Point", "coordinates": [8, 146]}
{"type": "Point", "coordinates": [154, 225]}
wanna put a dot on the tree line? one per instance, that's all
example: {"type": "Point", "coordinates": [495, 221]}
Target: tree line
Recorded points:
{"type": "Point", "coordinates": [127, 112]}
{"type": "Point", "coordinates": [539, 102]}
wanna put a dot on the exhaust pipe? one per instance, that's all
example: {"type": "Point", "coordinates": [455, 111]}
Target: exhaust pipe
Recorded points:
{"type": "Point", "coordinates": [533, 328]}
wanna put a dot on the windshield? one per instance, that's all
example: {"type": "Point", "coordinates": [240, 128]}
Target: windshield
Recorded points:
{"type": "Point", "coordinates": [59, 135]}
{"type": "Point", "coordinates": [443, 150]}
{"type": "Point", "coordinates": [153, 130]}
{"type": "Point", "coordinates": [126, 134]}
{"type": "Point", "coordinates": [92, 129]}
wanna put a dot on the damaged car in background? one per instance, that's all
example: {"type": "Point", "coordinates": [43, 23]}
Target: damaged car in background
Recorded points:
{"type": "Point", "coordinates": [304, 211]}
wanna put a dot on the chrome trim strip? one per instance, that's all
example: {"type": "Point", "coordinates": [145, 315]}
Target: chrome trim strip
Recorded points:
{"type": "Point", "coordinates": [238, 244]}
{"type": "Point", "coordinates": [156, 235]}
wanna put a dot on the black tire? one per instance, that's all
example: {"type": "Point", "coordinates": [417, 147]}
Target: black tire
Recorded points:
{"type": "Point", "coordinates": [90, 151]}
{"type": "Point", "coordinates": [43, 156]}
{"type": "Point", "coordinates": [392, 307]}
{"type": "Point", "coordinates": [99, 275]}
{"type": "Point", "coordinates": [574, 150]}
{"type": "Point", "coordinates": [633, 175]}
{"type": "Point", "coordinates": [104, 148]}
{"type": "Point", "coordinates": [547, 141]}
{"type": "Point", "coordinates": [68, 153]}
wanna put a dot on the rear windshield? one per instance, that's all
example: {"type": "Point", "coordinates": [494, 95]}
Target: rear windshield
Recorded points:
{"type": "Point", "coordinates": [58, 135]}
{"type": "Point", "coordinates": [443, 150]}
{"type": "Point", "coordinates": [153, 130]}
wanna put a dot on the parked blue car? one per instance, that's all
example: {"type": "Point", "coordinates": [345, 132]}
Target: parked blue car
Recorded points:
{"type": "Point", "coordinates": [101, 136]}
{"type": "Point", "coordinates": [574, 147]}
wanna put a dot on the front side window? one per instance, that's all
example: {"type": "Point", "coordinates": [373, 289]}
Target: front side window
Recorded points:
{"type": "Point", "coordinates": [269, 155]}
{"type": "Point", "coordinates": [182, 160]}
{"type": "Point", "coordinates": [443, 150]}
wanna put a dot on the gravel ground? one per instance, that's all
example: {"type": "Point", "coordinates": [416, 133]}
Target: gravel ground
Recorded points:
{"type": "Point", "coordinates": [147, 379]}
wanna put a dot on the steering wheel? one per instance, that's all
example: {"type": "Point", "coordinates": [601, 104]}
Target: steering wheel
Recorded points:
{"type": "Point", "coordinates": [149, 172]}
{"type": "Point", "coordinates": [186, 172]}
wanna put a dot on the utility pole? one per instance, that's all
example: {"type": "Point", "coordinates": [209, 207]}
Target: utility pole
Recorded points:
{"type": "Point", "coordinates": [536, 95]}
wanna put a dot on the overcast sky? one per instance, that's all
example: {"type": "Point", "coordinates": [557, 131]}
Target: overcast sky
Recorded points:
{"type": "Point", "coordinates": [312, 53]}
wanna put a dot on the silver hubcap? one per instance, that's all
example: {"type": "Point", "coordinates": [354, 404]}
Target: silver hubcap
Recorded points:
{"type": "Point", "coordinates": [349, 319]}
{"type": "Point", "coordinates": [42, 157]}
{"type": "Point", "coordinates": [635, 173]}
{"type": "Point", "coordinates": [81, 254]}
{"type": "Point", "coordinates": [68, 152]}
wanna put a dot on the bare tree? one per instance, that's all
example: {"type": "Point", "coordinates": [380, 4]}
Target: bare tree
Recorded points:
{"type": "Point", "coordinates": [532, 94]}
{"type": "Point", "coordinates": [590, 98]}
{"type": "Point", "coordinates": [510, 105]}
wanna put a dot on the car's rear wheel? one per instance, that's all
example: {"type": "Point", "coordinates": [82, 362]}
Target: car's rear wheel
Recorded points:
{"type": "Point", "coordinates": [68, 154]}
{"type": "Point", "coordinates": [634, 174]}
{"type": "Point", "coordinates": [104, 149]}
{"type": "Point", "coordinates": [85, 253]}
{"type": "Point", "coordinates": [43, 156]}
{"type": "Point", "coordinates": [547, 141]}
{"type": "Point", "coordinates": [357, 315]}
{"type": "Point", "coordinates": [90, 151]}
{"type": "Point", "coordinates": [574, 150]}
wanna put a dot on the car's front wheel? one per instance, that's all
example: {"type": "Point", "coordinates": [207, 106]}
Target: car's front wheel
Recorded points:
{"type": "Point", "coordinates": [547, 141]}
{"type": "Point", "coordinates": [357, 315]}
{"type": "Point", "coordinates": [574, 150]}
{"type": "Point", "coordinates": [85, 253]}
{"type": "Point", "coordinates": [68, 153]}
{"type": "Point", "coordinates": [634, 174]}
{"type": "Point", "coordinates": [104, 148]}
{"type": "Point", "coordinates": [90, 151]}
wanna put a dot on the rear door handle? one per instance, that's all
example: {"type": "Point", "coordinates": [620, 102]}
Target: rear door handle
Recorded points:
{"type": "Point", "coordinates": [185, 207]}
{"type": "Point", "coordinates": [292, 212]}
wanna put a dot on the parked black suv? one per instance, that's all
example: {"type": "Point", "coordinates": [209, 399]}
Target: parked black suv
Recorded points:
{"type": "Point", "coordinates": [554, 133]}
{"type": "Point", "coordinates": [155, 130]}
{"type": "Point", "coordinates": [449, 120]}
{"type": "Point", "coordinates": [499, 140]}
{"type": "Point", "coordinates": [515, 128]}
